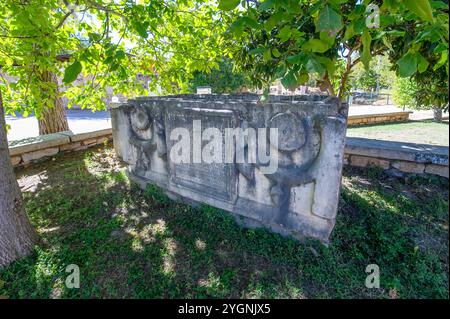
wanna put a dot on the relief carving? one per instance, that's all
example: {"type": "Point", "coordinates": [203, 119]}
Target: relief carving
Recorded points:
{"type": "Point", "coordinates": [299, 197]}
{"type": "Point", "coordinates": [147, 134]}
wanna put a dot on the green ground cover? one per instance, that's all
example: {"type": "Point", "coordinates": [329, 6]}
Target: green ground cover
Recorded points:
{"type": "Point", "coordinates": [423, 132]}
{"type": "Point", "coordinates": [131, 243]}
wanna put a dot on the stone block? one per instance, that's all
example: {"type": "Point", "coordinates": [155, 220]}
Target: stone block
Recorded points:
{"type": "Point", "coordinates": [15, 160]}
{"type": "Point", "coordinates": [346, 159]}
{"type": "Point", "coordinates": [70, 147]}
{"type": "Point", "coordinates": [181, 143]}
{"type": "Point", "coordinates": [409, 167]}
{"type": "Point", "coordinates": [440, 170]}
{"type": "Point", "coordinates": [90, 141]}
{"type": "Point", "coordinates": [40, 142]}
{"type": "Point", "coordinates": [91, 135]}
{"type": "Point", "coordinates": [32, 156]}
{"type": "Point", "coordinates": [363, 161]}
{"type": "Point", "coordinates": [411, 152]}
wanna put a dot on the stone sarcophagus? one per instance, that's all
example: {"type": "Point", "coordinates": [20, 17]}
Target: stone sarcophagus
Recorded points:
{"type": "Point", "coordinates": [274, 164]}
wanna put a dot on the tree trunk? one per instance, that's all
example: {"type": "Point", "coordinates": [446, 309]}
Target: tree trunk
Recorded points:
{"type": "Point", "coordinates": [437, 115]}
{"type": "Point", "coordinates": [17, 236]}
{"type": "Point", "coordinates": [53, 119]}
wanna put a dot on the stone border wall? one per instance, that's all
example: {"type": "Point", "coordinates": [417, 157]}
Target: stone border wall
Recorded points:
{"type": "Point", "coordinates": [359, 152]}
{"type": "Point", "coordinates": [397, 157]}
{"type": "Point", "coordinates": [35, 149]}
{"type": "Point", "coordinates": [367, 119]}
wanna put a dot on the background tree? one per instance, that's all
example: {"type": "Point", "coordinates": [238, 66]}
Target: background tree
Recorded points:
{"type": "Point", "coordinates": [378, 76]}
{"type": "Point", "coordinates": [422, 54]}
{"type": "Point", "coordinates": [433, 92]}
{"type": "Point", "coordinates": [404, 92]}
{"type": "Point", "coordinates": [103, 43]}
{"type": "Point", "coordinates": [109, 42]}
{"type": "Point", "coordinates": [423, 92]}
{"type": "Point", "coordinates": [224, 79]}
{"type": "Point", "coordinates": [292, 39]}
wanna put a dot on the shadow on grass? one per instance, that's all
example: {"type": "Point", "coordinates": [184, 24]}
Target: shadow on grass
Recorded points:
{"type": "Point", "coordinates": [130, 243]}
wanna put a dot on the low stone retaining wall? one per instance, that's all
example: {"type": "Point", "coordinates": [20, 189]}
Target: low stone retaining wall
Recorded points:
{"type": "Point", "coordinates": [366, 119]}
{"type": "Point", "coordinates": [397, 157]}
{"type": "Point", "coordinates": [35, 149]}
{"type": "Point", "coordinates": [359, 152]}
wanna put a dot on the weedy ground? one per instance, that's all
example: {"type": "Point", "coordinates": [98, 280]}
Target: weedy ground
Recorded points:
{"type": "Point", "coordinates": [130, 243]}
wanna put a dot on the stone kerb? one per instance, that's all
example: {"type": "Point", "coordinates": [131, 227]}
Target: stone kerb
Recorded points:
{"type": "Point", "coordinates": [378, 118]}
{"type": "Point", "coordinates": [30, 150]}
{"type": "Point", "coordinates": [398, 156]}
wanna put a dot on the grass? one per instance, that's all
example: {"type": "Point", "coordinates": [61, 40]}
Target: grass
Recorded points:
{"type": "Point", "coordinates": [130, 243]}
{"type": "Point", "coordinates": [423, 132]}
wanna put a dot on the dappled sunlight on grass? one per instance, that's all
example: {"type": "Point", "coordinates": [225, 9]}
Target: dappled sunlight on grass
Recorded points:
{"type": "Point", "coordinates": [133, 243]}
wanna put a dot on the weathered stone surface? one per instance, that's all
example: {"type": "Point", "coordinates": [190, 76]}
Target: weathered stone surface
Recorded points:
{"type": "Point", "coordinates": [364, 161]}
{"type": "Point", "coordinates": [440, 170]}
{"type": "Point", "coordinates": [15, 160]}
{"type": "Point", "coordinates": [32, 156]}
{"type": "Point", "coordinates": [346, 159]}
{"type": "Point", "coordinates": [46, 145]}
{"type": "Point", "coordinates": [409, 167]}
{"type": "Point", "coordinates": [420, 153]}
{"type": "Point", "coordinates": [378, 118]}
{"type": "Point", "coordinates": [91, 135]}
{"type": "Point", "coordinates": [70, 147]}
{"type": "Point", "coordinates": [298, 197]}
{"type": "Point", "coordinates": [90, 141]}
{"type": "Point", "coordinates": [31, 144]}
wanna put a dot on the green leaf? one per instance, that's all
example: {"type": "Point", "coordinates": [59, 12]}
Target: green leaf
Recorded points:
{"type": "Point", "coordinates": [443, 60]}
{"type": "Point", "coordinates": [314, 66]}
{"type": "Point", "coordinates": [360, 26]}
{"type": "Point", "coordinates": [120, 54]}
{"type": "Point", "coordinates": [275, 18]}
{"type": "Point", "coordinates": [407, 65]}
{"type": "Point", "coordinates": [256, 51]}
{"type": "Point", "coordinates": [349, 32]}
{"type": "Point", "coordinates": [420, 7]}
{"type": "Point", "coordinates": [276, 53]}
{"type": "Point", "coordinates": [324, 37]}
{"type": "Point", "coordinates": [228, 5]}
{"type": "Point", "coordinates": [439, 5]}
{"type": "Point", "coordinates": [329, 21]}
{"type": "Point", "coordinates": [296, 59]}
{"type": "Point", "coordinates": [366, 40]}
{"type": "Point", "coordinates": [292, 79]}
{"type": "Point", "coordinates": [284, 34]}
{"type": "Point", "coordinates": [237, 27]}
{"type": "Point", "coordinates": [422, 63]}
{"type": "Point", "coordinates": [250, 22]}
{"type": "Point", "coordinates": [289, 80]}
{"type": "Point", "coordinates": [266, 55]}
{"type": "Point", "coordinates": [315, 45]}
{"type": "Point", "coordinates": [71, 72]}
{"type": "Point", "coordinates": [330, 65]}
{"type": "Point", "coordinates": [266, 5]}
{"type": "Point", "coordinates": [141, 29]}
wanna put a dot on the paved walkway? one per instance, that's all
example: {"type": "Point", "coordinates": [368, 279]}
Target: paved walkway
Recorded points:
{"type": "Point", "coordinates": [80, 121]}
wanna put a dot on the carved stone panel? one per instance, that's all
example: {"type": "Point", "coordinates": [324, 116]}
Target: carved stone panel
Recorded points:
{"type": "Point", "coordinates": [296, 196]}
{"type": "Point", "coordinates": [217, 180]}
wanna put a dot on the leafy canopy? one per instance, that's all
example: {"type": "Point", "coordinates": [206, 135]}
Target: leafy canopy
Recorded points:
{"type": "Point", "coordinates": [296, 39]}
{"type": "Point", "coordinates": [99, 47]}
